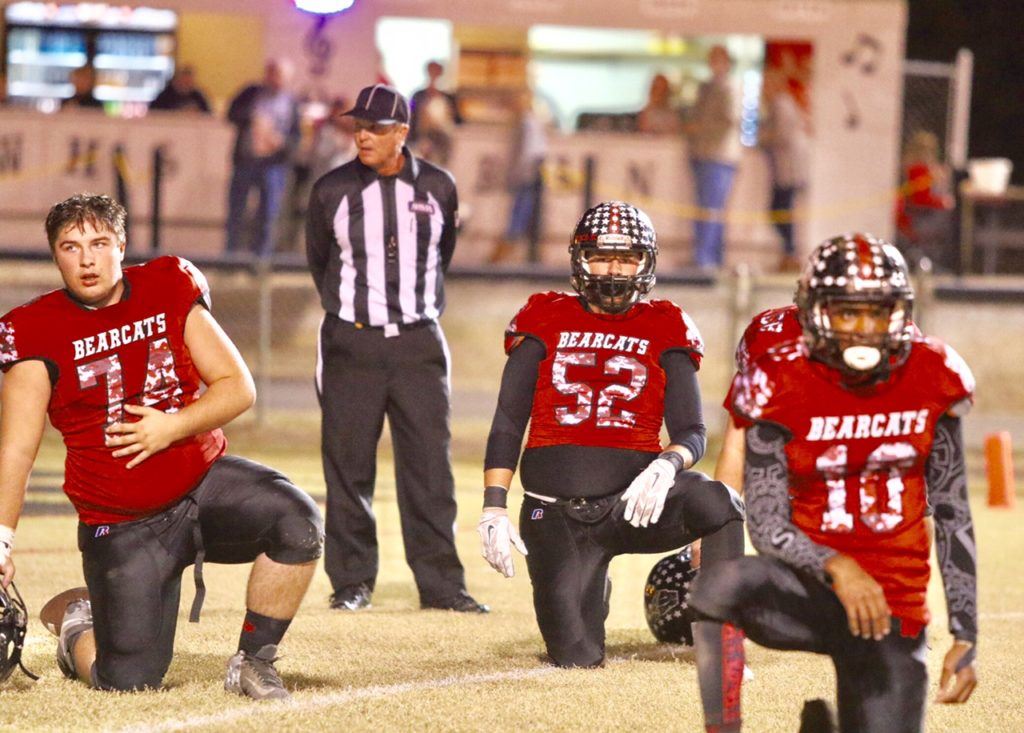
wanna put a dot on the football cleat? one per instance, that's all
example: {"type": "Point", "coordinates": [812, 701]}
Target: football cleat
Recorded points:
{"type": "Point", "coordinates": [817, 717]}
{"type": "Point", "coordinates": [461, 602]}
{"type": "Point", "coordinates": [254, 675]}
{"type": "Point", "coordinates": [75, 621]}
{"type": "Point", "coordinates": [352, 598]}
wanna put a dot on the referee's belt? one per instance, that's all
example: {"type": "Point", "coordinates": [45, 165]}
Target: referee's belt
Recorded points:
{"type": "Point", "coordinates": [397, 327]}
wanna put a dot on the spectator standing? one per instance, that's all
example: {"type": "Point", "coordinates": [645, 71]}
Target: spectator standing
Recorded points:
{"type": "Point", "coordinates": [925, 208]}
{"type": "Point", "coordinates": [529, 147]}
{"type": "Point", "coordinates": [658, 117]}
{"type": "Point", "coordinates": [333, 142]}
{"type": "Point", "coordinates": [83, 79]}
{"type": "Point", "coordinates": [181, 93]}
{"type": "Point", "coordinates": [435, 113]}
{"type": "Point", "coordinates": [714, 151]}
{"type": "Point", "coordinates": [380, 233]}
{"type": "Point", "coordinates": [785, 136]}
{"type": "Point", "coordinates": [267, 120]}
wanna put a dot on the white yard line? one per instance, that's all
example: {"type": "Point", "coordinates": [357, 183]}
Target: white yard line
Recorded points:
{"type": "Point", "coordinates": [303, 703]}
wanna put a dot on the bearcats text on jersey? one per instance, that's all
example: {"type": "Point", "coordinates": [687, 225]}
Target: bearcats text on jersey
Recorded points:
{"type": "Point", "coordinates": [592, 340]}
{"type": "Point", "coordinates": [114, 338]}
{"type": "Point", "coordinates": [877, 425]}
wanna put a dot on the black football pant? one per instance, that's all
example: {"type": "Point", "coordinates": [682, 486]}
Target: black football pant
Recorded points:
{"type": "Point", "coordinates": [362, 376]}
{"type": "Point", "coordinates": [882, 685]}
{"type": "Point", "coordinates": [571, 544]}
{"type": "Point", "coordinates": [239, 510]}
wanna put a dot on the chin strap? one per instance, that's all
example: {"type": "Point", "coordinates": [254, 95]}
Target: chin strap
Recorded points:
{"type": "Point", "coordinates": [19, 634]}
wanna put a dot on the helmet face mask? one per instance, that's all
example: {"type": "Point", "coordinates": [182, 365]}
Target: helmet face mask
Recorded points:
{"type": "Point", "coordinates": [613, 230]}
{"type": "Point", "coordinates": [13, 627]}
{"type": "Point", "coordinates": [855, 305]}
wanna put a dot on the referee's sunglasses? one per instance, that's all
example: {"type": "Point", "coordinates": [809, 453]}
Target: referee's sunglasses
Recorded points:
{"type": "Point", "coordinates": [376, 128]}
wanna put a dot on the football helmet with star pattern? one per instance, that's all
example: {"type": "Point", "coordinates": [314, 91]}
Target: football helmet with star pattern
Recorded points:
{"type": "Point", "coordinates": [860, 270]}
{"type": "Point", "coordinates": [669, 617]}
{"type": "Point", "coordinates": [608, 228]}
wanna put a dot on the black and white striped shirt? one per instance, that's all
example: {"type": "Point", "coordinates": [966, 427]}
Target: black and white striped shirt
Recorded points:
{"type": "Point", "coordinates": [378, 246]}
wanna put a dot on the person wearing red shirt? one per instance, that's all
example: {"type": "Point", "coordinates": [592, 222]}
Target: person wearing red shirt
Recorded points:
{"type": "Point", "coordinates": [595, 374]}
{"type": "Point", "coordinates": [853, 438]}
{"type": "Point", "coordinates": [116, 359]}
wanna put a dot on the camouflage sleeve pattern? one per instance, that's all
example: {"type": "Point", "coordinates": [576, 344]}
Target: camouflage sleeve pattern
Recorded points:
{"type": "Point", "coordinates": [8, 346]}
{"type": "Point", "coordinates": [766, 489]}
{"type": "Point", "coordinates": [954, 530]}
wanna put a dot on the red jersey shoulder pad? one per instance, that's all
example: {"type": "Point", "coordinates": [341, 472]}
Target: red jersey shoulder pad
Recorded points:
{"type": "Point", "coordinates": [179, 276]}
{"type": "Point", "coordinates": [757, 387]}
{"type": "Point", "coordinates": [531, 319]}
{"type": "Point", "coordinates": [680, 330]}
{"type": "Point", "coordinates": [950, 372]}
{"type": "Point", "coordinates": [19, 326]}
{"type": "Point", "coordinates": [765, 331]}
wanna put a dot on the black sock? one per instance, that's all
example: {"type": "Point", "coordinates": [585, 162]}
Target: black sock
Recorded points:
{"type": "Point", "coordinates": [259, 630]}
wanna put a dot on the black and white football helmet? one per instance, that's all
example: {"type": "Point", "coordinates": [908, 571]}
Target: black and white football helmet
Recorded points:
{"type": "Point", "coordinates": [668, 615]}
{"type": "Point", "coordinates": [613, 226]}
{"type": "Point", "coordinates": [857, 268]}
{"type": "Point", "coordinates": [13, 627]}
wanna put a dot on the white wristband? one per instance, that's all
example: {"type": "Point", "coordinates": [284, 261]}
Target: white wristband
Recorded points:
{"type": "Point", "coordinates": [7, 536]}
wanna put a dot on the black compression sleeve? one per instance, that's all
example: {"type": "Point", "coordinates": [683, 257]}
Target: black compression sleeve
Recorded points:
{"type": "Point", "coordinates": [515, 400]}
{"type": "Point", "coordinates": [954, 530]}
{"type": "Point", "coordinates": [766, 490]}
{"type": "Point", "coordinates": [684, 415]}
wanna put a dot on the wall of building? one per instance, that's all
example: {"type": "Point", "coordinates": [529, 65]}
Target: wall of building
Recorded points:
{"type": "Point", "coordinates": [857, 85]}
{"type": "Point", "coordinates": [856, 98]}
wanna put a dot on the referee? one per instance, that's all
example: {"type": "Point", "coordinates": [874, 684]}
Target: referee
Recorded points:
{"type": "Point", "coordinates": [380, 233]}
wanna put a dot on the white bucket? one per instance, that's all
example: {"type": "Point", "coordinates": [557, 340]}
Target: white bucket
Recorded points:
{"type": "Point", "coordinates": [990, 175]}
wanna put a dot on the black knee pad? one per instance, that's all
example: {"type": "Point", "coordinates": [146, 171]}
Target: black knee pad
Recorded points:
{"type": "Point", "coordinates": [709, 504]}
{"type": "Point", "coordinates": [298, 536]}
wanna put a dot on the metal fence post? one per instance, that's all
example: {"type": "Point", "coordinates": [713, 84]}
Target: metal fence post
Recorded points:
{"type": "Point", "coordinates": [156, 192]}
{"type": "Point", "coordinates": [742, 288]}
{"type": "Point", "coordinates": [120, 162]}
{"type": "Point", "coordinates": [264, 275]}
{"type": "Point", "coordinates": [924, 293]}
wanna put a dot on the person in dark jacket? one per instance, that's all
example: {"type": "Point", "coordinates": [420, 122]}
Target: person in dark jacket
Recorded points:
{"type": "Point", "coordinates": [266, 117]}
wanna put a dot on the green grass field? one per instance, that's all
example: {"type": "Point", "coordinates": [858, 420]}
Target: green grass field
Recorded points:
{"type": "Point", "coordinates": [395, 667]}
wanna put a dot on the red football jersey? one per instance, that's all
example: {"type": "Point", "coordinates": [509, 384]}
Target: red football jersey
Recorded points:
{"type": "Point", "coordinates": [601, 383]}
{"type": "Point", "coordinates": [766, 330]}
{"type": "Point", "coordinates": [131, 352]}
{"type": "Point", "coordinates": [857, 458]}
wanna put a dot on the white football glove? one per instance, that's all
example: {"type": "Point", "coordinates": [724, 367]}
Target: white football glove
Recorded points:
{"type": "Point", "coordinates": [497, 535]}
{"type": "Point", "coordinates": [645, 497]}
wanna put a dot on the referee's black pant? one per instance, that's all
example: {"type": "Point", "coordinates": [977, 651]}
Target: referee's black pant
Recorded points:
{"type": "Point", "coordinates": [362, 375]}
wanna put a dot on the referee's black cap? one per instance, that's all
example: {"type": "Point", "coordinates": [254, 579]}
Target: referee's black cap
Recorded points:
{"type": "Point", "coordinates": [380, 103]}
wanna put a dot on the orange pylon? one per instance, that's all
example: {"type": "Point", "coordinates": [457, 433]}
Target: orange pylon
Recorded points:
{"type": "Point", "coordinates": [999, 469]}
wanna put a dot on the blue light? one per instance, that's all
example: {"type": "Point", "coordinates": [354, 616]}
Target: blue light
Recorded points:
{"type": "Point", "coordinates": [324, 7]}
